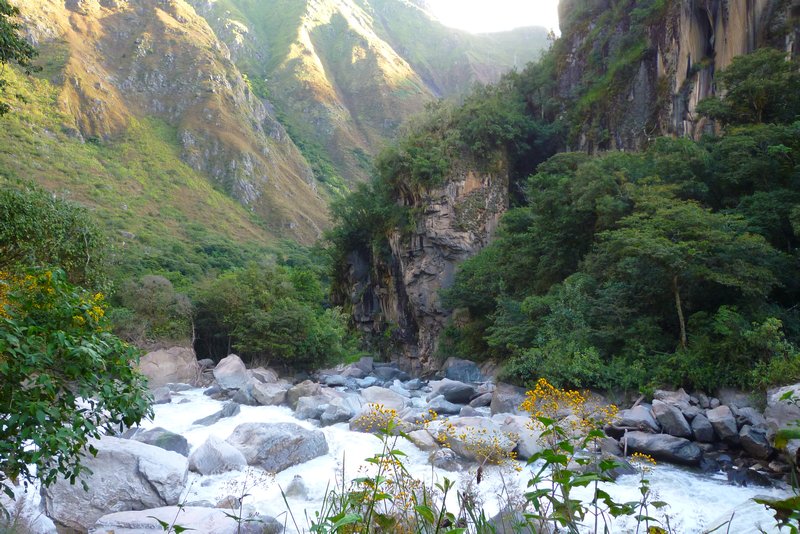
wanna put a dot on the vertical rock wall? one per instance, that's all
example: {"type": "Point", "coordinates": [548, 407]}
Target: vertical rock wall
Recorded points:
{"type": "Point", "coordinates": [395, 292]}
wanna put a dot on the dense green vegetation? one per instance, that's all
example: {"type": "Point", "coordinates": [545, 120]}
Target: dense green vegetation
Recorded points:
{"type": "Point", "coordinates": [673, 266]}
{"type": "Point", "coordinates": [13, 48]}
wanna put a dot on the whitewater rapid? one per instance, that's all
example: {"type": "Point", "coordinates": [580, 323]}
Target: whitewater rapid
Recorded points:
{"type": "Point", "coordinates": [696, 500]}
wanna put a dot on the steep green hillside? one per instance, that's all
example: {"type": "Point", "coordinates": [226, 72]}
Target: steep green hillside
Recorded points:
{"type": "Point", "coordinates": [162, 215]}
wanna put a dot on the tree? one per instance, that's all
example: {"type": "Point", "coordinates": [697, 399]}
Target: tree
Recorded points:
{"type": "Point", "coordinates": [679, 245]}
{"type": "Point", "coordinates": [756, 88]}
{"type": "Point", "coordinates": [64, 378]}
{"type": "Point", "coordinates": [13, 48]}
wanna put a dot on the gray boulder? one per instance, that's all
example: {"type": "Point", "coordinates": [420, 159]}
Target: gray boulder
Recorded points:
{"type": "Point", "coordinates": [216, 456]}
{"type": "Point", "coordinates": [162, 395]}
{"type": "Point", "coordinates": [676, 398]}
{"type": "Point", "coordinates": [366, 382]}
{"type": "Point", "coordinates": [388, 372]}
{"type": "Point", "coordinates": [471, 437]}
{"type": "Point", "coordinates": [506, 399]}
{"type": "Point", "coordinates": [663, 447]}
{"type": "Point", "coordinates": [462, 370]}
{"type": "Point", "coordinates": [125, 475]}
{"type": "Point", "coordinates": [366, 364]}
{"type": "Point", "coordinates": [748, 416]}
{"type": "Point", "coordinates": [230, 372]}
{"type": "Point", "coordinates": [278, 446]}
{"type": "Point", "coordinates": [307, 388]}
{"type": "Point", "coordinates": [264, 375]}
{"type": "Point", "coordinates": [335, 380]}
{"type": "Point", "coordinates": [193, 518]}
{"type": "Point", "coordinates": [310, 407]}
{"type": "Point", "coordinates": [176, 364]}
{"type": "Point", "coordinates": [637, 418]}
{"type": "Point", "coordinates": [445, 459]}
{"type": "Point", "coordinates": [423, 440]}
{"type": "Point", "coordinates": [442, 406]}
{"type": "Point", "coordinates": [339, 410]}
{"type": "Point", "coordinates": [162, 438]}
{"type": "Point", "coordinates": [734, 398]}
{"type": "Point", "coordinates": [383, 396]}
{"type": "Point", "coordinates": [270, 394]}
{"type": "Point", "coordinates": [297, 488]}
{"type": "Point", "coordinates": [754, 441]}
{"type": "Point", "coordinates": [527, 437]}
{"type": "Point", "coordinates": [453, 391]}
{"type": "Point", "coordinates": [702, 429]}
{"type": "Point", "coordinates": [484, 399]}
{"type": "Point", "coordinates": [721, 418]}
{"type": "Point", "coordinates": [671, 419]}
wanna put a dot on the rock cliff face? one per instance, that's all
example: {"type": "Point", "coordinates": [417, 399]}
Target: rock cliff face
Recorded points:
{"type": "Point", "coordinates": [122, 60]}
{"type": "Point", "coordinates": [395, 292]}
{"type": "Point", "coordinates": [652, 62]}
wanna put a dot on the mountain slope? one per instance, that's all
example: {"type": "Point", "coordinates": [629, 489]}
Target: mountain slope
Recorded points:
{"type": "Point", "coordinates": [121, 61]}
{"type": "Point", "coordinates": [345, 73]}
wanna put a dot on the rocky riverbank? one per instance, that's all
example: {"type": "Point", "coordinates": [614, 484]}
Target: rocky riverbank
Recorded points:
{"type": "Point", "coordinates": [143, 474]}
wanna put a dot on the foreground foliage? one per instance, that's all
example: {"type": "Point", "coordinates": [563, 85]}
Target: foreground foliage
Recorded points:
{"type": "Point", "coordinates": [64, 378]}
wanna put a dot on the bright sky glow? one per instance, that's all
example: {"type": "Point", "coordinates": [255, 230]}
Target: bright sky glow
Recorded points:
{"type": "Point", "coordinates": [495, 15]}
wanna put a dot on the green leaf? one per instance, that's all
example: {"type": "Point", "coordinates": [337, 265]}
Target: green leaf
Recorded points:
{"type": "Point", "coordinates": [348, 519]}
{"type": "Point", "coordinates": [426, 513]}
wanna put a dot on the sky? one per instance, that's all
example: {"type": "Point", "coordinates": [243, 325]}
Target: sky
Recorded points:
{"type": "Point", "coordinates": [495, 15]}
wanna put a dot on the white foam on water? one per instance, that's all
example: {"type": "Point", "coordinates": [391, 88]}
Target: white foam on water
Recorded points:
{"type": "Point", "coordinates": [696, 501]}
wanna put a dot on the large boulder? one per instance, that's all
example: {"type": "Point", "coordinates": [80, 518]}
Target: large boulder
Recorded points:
{"type": "Point", "coordinates": [264, 375]}
{"type": "Point", "coordinates": [125, 475]}
{"type": "Point", "coordinates": [191, 518]}
{"type": "Point", "coordinates": [162, 438]}
{"type": "Point", "coordinates": [663, 447]}
{"type": "Point", "coordinates": [637, 418]}
{"type": "Point", "coordinates": [216, 456]}
{"type": "Point", "coordinates": [754, 441]}
{"type": "Point", "coordinates": [702, 429]}
{"type": "Point", "coordinates": [724, 423]}
{"type": "Point", "coordinates": [340, 410]}
{"type": "Point", "coordinates": [230, 372]}
{"type": "Point", "coordinates": [306, 388]}
{"type": "Point", "coordinates": [176, 364]}
{"type": "Point", "coordinates": [780, 413]}
{"type": "Point", "coordinates": [385, 397]}
{"type": "Point", "coordinates": [278, 446]}
{"type": "Point", "coordinates": [528, 437]}
{"type": "Point", "coordinates": [462, 370]}
{"type": "Point", "coordinates": [507, 399]}
{"type": "Point", "coordinates": [311, 407]}
{"type": "Point", "coordinates": [452, 390]}
{"type": "Point", "coordinates": [442, 406]}
{"type": "Point", "coordinates": [475, 438]}
{"type": "Point", "coordinates": [671, 419]}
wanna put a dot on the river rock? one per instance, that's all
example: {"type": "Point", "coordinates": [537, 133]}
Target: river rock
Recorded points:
{"type": "Point", "coordinates": [423, 440]}
{"type": "Point", "coordinates": [754, 441]}
{"type": "Point", "coordinates": [336, 381]}
{"type": "Point", "coordinates": [721, 418]}
{"type": "Point", "coordinates": [398, 388]}
{"type": "Point", "coordinates": [663, 447]}
{"type": "Point", "coordinates": [452, 391]}
{"type": "Point", "coordinates": [461, 370]}
{"type": "Point", "coordinates": [264, 375]}
{"type": "Point", "coordinates": [445, 459]}
{"type": "Point", "coordinates": [176, 364]}
{"type": "Point", "coordinates": [472, 437]}
{"type": "Point", "coordinates": [216, 456]}
{"type": "Point", "coordinates": [270, 394]}
{"type": "Point", "coordinates": [125, 475]}
{"type": "Point", "coordinates": [507, 399]}
{"type": "Point", "coordinates": [484, 399]}
{"type": "Point", "coordinates": [414, 384]}
{"type": "Point", "coordinates": [675, 398]}
{"type": "Point", "coordinates": [162, 438]}
{"type": "Point", "coordinates": [192, 518]}
{"type": "Point", "coordinates": [748, 416]}
{"type": "Point", "coordinates": [527, 437]}
{"type": "Point", "coordinates": [637, 418]}
{"type": "Point", "coordinates": [340, 410]}
{"type": "Point", "coordinates": [367, 381]}
{"type": "Point", "coordinates": [297, 488]}
{"type": "Point", "coordinates": [230, 372]}
{"type": "Point", "coordinates": [162, 395]}
{"type": "Point", "coordinates": [277, 446]}
{"type": "Point", "coordinates": [469, 411]}
{"type": "Point", "coordinates": [383, 396]}
{"type": "Point", "coordinates": [389, 372]}
{"type": "Point", "coordinates": [310, 407]}
{"type": "Point", "coordinates": [229, 409]}
{"type": "Point", "coordinates": [307, 388]}
{"type": "Point", "coordinates": [702, 429]}
{"type": "Point", "coordinates": [734, 398]}
{"type": "Point", "coordinates": [442, 406]}
{"type": "Point", "coordinates": [671, 419]}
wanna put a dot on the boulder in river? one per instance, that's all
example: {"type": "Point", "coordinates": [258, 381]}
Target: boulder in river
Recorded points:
{"type": "Point", "coordinates": [637, 418]}
{"type": "Point", "coordinates": [162, 438]}
{"type": "Point", "coordinates": [306, 388]}
{"type": "Point", "coordinates": [721, 418]}
{"type": "Point", "coordinates": [462, 370]}
{"type": "Point", "coordinates": [671, 419]}
{"type": "Point", "coordinates": [507, 399]}
{"type": "Point", "coordinates": [229, 409]}
{"type": "Point", "coordinates": [663, 447]}
{"type": "Point", "coordinates": [216, 456]}
{"type": "Point", "coordinates": [702, 429]}
{"type": "Point", "coordinates": [753, 440]}
{"type": "Point", "coordinates": [384, 396]}
{"type": "Point", "coordinates": [176, 364]}
{"type": "Point", "coordinates": [277, 446]}
{"type": "Point", "coordinates": [452, 390]}
{"type": "Point", "coordinates": [442, 406]}
{"type": "Point", "coordinates": [230, 372]}
{"type": "Point", "coordinates": [125, 475]}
